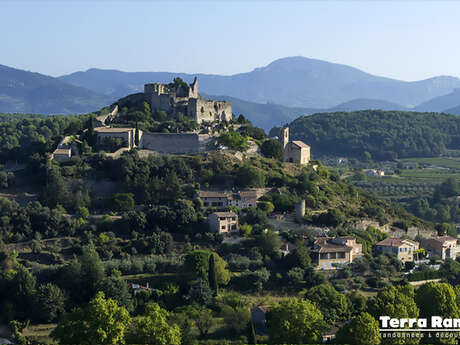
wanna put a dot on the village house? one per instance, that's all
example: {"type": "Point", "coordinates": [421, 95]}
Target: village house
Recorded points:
{"type": "Point", "coordinates": [223, 199]}
{"type": "Point", "coordinates": [244, 199]}
{"type": "Point", "coordinates": [445, 247]}
{"type": "Point", "coordinates": [214, 199]}
{"type": "Point", "coordinates": [62, 154]}
{"type": "Point", "coordinates": [375, 172]}
{"type": "Point", "coordinates": [126, 134]}
{"type": "Point", "coordinates": [330, 253]}
{"type": "Point", "coordinates": [403, 249]}
{"type": "Point", "coordinates": [223, 222]}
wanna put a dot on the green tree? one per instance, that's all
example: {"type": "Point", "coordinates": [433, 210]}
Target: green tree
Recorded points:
{"type": "Point", "coordinates": [234, 140]}
{"type": "Point", "coordinates": [22, 293]}
{"type": "Point", "coordinates": [269, 242]}
{"type": "Point", "coordinates": [299, 257]}
{"type": "Point", "coordinates": [251, 333]}
{"type": "Point", "coordinates": [248, 176]}
{"type": "Point", "coordinates": [396, 302]}
{"type": "Point", "coordinates": [92, 271]}
{"type": "Point", "coordinates": [362, 330]}
{"type": "Point", "coordinates": [295, 321]}
{"type": "Point", "coordinates": [266, 206]}
{"type": "Point", "coordinates": [356, 303]}
{"type": "Point", "coordinates": [272, 149]}
{"type": "Point", "coordinates": [117, 289]}
{"type": "Point", "coordinates": [437, 299]}
{"type": "Point", "coordinates": [333, 304]}
{"type": "Point", "coordinates": [212, 276]}
{"type": "Point", "coordinates": [153, 328]}
{"type": "Point", "coordinates": [51, 302]}
{"type": "Point", "coordinates": [136, 137]}
{"type": "Point", "coordinates": [123, 202]}
{"type": "Point", "coordinates": [196, 266]}
{"type": "Point", "coordinates": [102, 321]}
{"type": "Point", "coordinates": [204, 320]}
{"type": "Point", "coordinates": [200, 292]}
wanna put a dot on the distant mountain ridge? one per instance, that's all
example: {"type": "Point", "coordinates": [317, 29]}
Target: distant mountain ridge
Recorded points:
{"type": "Point", "coordinates": [292, 81]}
{"type": "Point", "coordinates": [442, 103]}
{"type": "Point", "coordinates": [29, 92]}
{"type": "Point", "coordinates": [269, 96]}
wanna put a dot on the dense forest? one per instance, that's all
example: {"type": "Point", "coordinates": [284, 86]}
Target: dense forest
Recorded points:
{"type": "Point", "coordinates": [379, 135]}
{"type": "Point", "coordinates": [22, 135]}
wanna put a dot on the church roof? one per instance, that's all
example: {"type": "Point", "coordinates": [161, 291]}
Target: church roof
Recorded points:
{"type": "Point", "coordinates": [300, 144]}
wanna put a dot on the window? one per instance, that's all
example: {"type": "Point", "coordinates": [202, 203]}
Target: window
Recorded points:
{"type": "Point", "coordinates": [223, 227]}
{"type": "Point", "coordinates": [341, 255]}
{"type": "Point", "coordinates": [206, 203]}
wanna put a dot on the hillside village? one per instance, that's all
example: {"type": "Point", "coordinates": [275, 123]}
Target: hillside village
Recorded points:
{"type": "Point", "coordinates": [163, 178]}
{"type": "Point", "coordinates": [179, 98]}
{"type": "Point", "coordinates": [170, 174]}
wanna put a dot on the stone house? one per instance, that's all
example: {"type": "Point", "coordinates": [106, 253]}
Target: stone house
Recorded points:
{"type": "Point", "coordinates": [216, 199]}
{"type": "Point", "coordinates": [62, 154]}
{"type": "Point", "coordinates": [328, 253]}
{"type": "Point", "coordinates": [244, 199]}
{"type": "Point", "coordinates": [403, 249]}
{"type": "Point", "coordinates": [222, 199]}
{"type": "Point", "coordinates": [294, 151]}
{"type": "Point", "coordinates": [126, 134]}
{"type": "Point", "coordinates": [444, 247]}
{"type": "Point", "coordinates": [223, 222]}
{"type": "Point", "coordinates": [375, 172]}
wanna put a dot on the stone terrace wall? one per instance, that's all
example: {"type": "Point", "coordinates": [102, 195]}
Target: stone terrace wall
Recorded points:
{"type": "Point", "coordinates": [175, 143]}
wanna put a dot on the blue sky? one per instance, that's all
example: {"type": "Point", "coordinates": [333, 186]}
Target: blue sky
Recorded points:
{"type": "Point", "coordinates": [407, 40]}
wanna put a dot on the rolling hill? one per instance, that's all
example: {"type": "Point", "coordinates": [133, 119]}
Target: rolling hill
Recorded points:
{"type": "Point", "coordinates": [364, 104]}
{"type": "Point", "coordinates": [27, 92]}
{"type": "Point", "coordinates": [442, 103]}
{"type": "Point", "coordinates": [383, 134]}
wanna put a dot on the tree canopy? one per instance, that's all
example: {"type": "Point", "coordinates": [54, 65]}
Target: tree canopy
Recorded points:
{"type": "Point", "coordinates": [383, 134]}
{"type": "Point", "coordinates": [295, 321]}
{"type": "Point", "coordinates": [102, 321]}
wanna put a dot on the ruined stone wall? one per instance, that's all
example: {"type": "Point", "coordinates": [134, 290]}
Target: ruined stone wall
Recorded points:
{"type": "Point", "coordinates": [202, 110]}
{"type": "Point", "coordinates": [175, 143]}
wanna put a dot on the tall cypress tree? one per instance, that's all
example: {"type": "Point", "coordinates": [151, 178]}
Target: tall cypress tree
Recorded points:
{"type": "Point", "coordinates": [251, 333]}
{"type": "Point", "coordinates": [212, 276]}
{"type": "Point", "coordinates": [136, 137]}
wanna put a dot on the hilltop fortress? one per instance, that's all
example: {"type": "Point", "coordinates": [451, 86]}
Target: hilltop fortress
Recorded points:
{"type": "Point", "coordinates": [180, 98]}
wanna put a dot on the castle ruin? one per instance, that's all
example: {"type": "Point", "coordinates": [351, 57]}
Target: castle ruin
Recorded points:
{"type": "Point", "coordinates": [176, 98]}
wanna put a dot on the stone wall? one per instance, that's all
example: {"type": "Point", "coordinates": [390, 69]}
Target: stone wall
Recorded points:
{"type": "Point", "coordinates": [175, 143]}
{"type": "Point", "coordinates": [202, 110]}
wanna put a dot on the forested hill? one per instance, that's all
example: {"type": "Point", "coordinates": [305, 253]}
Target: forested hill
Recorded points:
{"type": "Point", "coordinates": [384, 134]}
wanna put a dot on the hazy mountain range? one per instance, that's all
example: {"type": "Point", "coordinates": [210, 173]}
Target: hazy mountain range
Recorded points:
{"type": "Point", "coordinates": [270, 95]}
{"type": "Point", "coordinates": [28, 92]}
